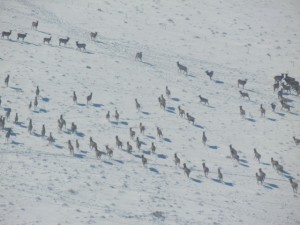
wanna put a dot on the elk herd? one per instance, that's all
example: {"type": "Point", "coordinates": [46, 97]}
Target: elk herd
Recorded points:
{"type": "Point", "coordinates": [64, 41]}
{"type": "Point", "coordinates": [284, 82]}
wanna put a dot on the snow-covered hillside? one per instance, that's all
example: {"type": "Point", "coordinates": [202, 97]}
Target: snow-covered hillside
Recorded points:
{"type": "Point", "coordinates": [42, 183]}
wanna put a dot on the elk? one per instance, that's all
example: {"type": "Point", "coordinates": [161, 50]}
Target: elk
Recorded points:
{"type": "Point", "coordinates": [257, 155]}
{"type": "Point", "coordinates": [296, 140]}
{"type": "Point", "coordinates": [21, 36]}
{"type": "Point", "coordinates": [30, 126]}
{"type": "Point", "coordinates": [47, 40]}
{"type": "Point", "coordinates": [6, 81]}
{"type": "Point", "coordinates": [43, 133]}
{"type": "Point", "coordinates": [284, 105]}
{"type": "Point", "coordinates": [131, 133]}
{"type": "Point", "coordinates": [138, 143]}
{"type": "Point", "coordinates": [137, 105]}
{"type": "Point", "coordinates": [294, 185]}
{"type": "Point", "coordinates": [204, 100]}
{"type": "Point", "coordinates": [73, 127]}
{"type": "Point", "coordinates": [186, 170]}
{"type": "Point", "coordinates": [117, 115]}
{"type": "Point", "coordinates": [80, 45]}
{"type": "Point", "coordinates": [181, 112]}
{"type": "Point", "coordinates": [242, 111]}
{"type": "Point", "coordinates": [107, 115]}
{"type": "Point", "coordinates": [7, 136]}
{"type": "Point", "coordinates": [177, 160]}
{"type": "Point", "coordinates": [50, 138]}
{"type": "Point", "coordinates": [209, 73]}
{"type": "Point", "coordinates": [37, 91]}
{"type": "Point", "coordinates": [71, 148]}
{"type": "Point", "coordinates": [93, 145]}
{"type": "Point", "coordinates": [5, 34]}
{"type": "Point", "coordinates": [278, 78]}
{"type": "Point", "coordinates": [262, 111]}
{"type": "Point", "coordinates": [93, 35]}
{"type": "Point", "coordinates": [190, 118]}
{"type": "Point", "coordinates": [262, 174]}
{"type": "Point", "coordinates": [204, 138]}
{"type": "Point", "coordinates": [220, 175]}
{"type": "Point", "coordinates": [182, 68]}
{"type": "Point", "coordinates": [274, 163]}
{"type": "Point", "coordinates": [34, 24]}
{"type": "Point", "coordinates": [286, 87]}
{"type": "Point", "coordinates": [77, 144]}
{"type": "Point", "coordinates": [89, 98]}
{"type": "Point", "coordinates": [244, 95]}
{"type": "Point", "coordinates": [232, 151]}
{"type": "Point", "coordinates": [276, 86]}
{"type": "Point", "coordinates": [205, 169]}
{"type": "Point", "coordinates": [162, 102]}
{"type": "Point", "coordinates": [168, 92]}
{"type": "Point", "coordinates": [142, 128]}
{"type": "Point", "coordinates": [139, 56]}
{"type": "Point", "coordinates": [242, 82]}
{"type": "Point", "coordinates": [273, 106]}
{"type": "Point", "coordinates": [118, 142]}
{"type": "Point", "coordinates": [259, 179]}
{"type": "Point", "coordinates": [129, 147]}
{"type": "Point", "coordinates": [109, 151]}
{"type": "Point", "coordinates": [159, 132]}
{"type": "Point", "coordinates": [144, 161]}
{"type": "Point", "coordinates": [16, 118]}
{"type": "Point", "coordinates": [63, 40]}
{"type": "Point", "coordinates": [153, 148]}
{"type": "Point", "coordinates": [74, 97]}
{"type": "Point", "coordinates": [98, 153]}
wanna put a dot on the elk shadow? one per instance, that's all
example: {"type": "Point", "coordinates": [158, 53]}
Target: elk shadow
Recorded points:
{"type": "Point", "coordinates": [271, 185]}
{"type": "Point", "coordinates": [147, 63]}
{"type": "Point", "coordinates": [198, 126]}
{"type": "Point", "coordinates": [124, 123]}
{"type": "Point", "coordinates": [88, 52]}
{"type": "Point", "coordinates": [80, 134]}
{"type": "Point", "coordinates": [171, 108]}
{"type": "Point", "coordinates": [151, 137]}
{"type": "Point", "coordinates": [228, 184]}
{"type": "Point", "coordinates": [175, 99]}
{"type": "Point", "coordinates": [271, 119]}
{"type": "Point", "coordinates": [146, 113]}
{"type": "Point", "coordinates": [17, 89]}
{"type": "Point", "coordinates": [161, 156]}
{"type": "Point", "coordinates": [118, 161]}
{"type": "Point", "coordinates": [45, 99]}
{"type": "Point", "coordinates": [79, 156]}
{"type": "Point", "coordinates": [280, 114]}
{"type": "Point", "coordinates": [244, 165]}
{"type": "Point", "coordinates": [251, 120]}
{"type": "Point", "coordinates": [219, 82]}
{"type": "Point", "coordinates": [99, 42]}
{"type": "Point", "coordinates": [58, 146]}
{"type": "Point", "coordinates": [147, 152]}
{"type": "Point", "coordinates": [97, 105]}
{"type": "Point", "coordinates": [154, 170]}
{"type": "Point", "coordinates": [215, 147]}
{"type": "Point", "coordinates": [167, 140]}
{"type": "Point", "coordinates": [170, 111]}
{"type": "Point", "coordinates": [16, 143]}
{"type": "Point", "coordinates": [196, 180]}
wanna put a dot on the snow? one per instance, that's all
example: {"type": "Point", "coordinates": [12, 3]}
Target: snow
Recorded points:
{"type": "Point", "coordinates": [43, 183]}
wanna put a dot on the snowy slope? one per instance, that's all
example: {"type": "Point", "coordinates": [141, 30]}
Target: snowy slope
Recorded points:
{"type": "Point", "coordinates": [42, 183]}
